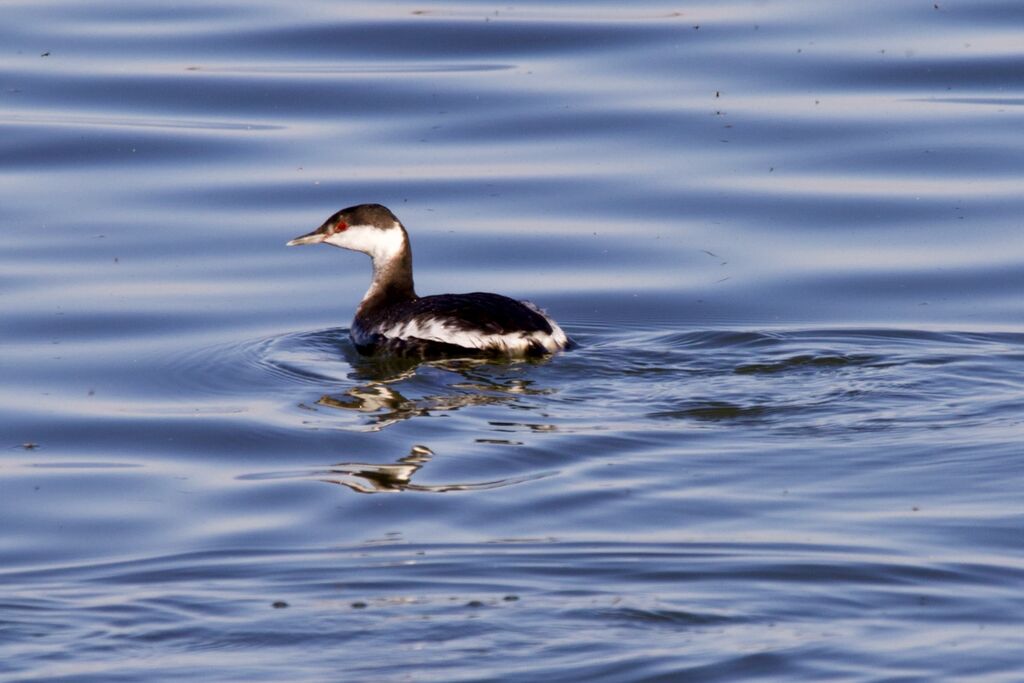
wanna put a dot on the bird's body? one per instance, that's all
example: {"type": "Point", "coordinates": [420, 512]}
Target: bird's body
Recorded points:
{"type": "Point", "coordinates": [392, 319]}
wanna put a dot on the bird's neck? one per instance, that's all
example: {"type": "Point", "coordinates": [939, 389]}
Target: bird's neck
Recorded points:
{"type": "Point", "coordinates": [392, 278]}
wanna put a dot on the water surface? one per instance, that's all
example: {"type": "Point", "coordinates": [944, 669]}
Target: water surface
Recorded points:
{"type": "Point", "coordinates": [786, 236]}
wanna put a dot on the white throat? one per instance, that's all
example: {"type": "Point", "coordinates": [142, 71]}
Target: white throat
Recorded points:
{"type": "Point", "coordinates": [389, 250]}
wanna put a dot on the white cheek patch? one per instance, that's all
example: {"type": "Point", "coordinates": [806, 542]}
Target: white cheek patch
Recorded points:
{"type": "Point", "coordinates": [381, 245]}
{"type": "Point", "coordinates": [513, 343]}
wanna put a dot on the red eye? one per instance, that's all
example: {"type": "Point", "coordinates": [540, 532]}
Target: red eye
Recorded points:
{"type": "Point", "coordinates": [342, 226]}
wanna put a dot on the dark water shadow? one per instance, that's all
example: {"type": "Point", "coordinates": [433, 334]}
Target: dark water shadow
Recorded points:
{"type": "Point", "coordinates": [390, 390]}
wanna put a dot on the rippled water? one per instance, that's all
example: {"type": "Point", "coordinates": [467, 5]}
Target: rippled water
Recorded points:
{"type": "Point", "coordinates": [786, 235]}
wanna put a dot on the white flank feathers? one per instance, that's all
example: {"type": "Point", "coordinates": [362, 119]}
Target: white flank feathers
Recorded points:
{"type": "Point", "coordinates": [513, 343]}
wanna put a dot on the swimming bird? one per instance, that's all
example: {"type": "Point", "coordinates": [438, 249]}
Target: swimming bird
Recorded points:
{"type": "Point", "coordinates": [392, 319]}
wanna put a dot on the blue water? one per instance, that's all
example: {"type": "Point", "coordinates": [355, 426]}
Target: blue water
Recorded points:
{"type": "Point", "coordinates": [786, 235]}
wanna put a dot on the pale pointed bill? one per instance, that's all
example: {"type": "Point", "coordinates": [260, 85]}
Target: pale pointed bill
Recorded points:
{"type": "Point", "coordinates": [315, 237]}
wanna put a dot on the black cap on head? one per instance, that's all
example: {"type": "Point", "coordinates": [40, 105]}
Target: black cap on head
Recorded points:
{"type": "Point", "coordinates": [377, 215]}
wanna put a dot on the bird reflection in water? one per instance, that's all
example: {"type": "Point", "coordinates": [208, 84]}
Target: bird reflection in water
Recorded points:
{"type": "Point", "coordinates": [384, 405]}
{"type": "Point", "coordinates": [460, 384]}
{"type": "Point", "coordinates": [364, 477]}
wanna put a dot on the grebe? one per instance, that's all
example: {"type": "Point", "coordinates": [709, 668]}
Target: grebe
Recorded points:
{"type": "Point", "coordinates": [392, 319]}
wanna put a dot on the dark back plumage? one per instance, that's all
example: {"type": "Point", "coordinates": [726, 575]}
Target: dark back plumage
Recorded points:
{"type": "Point", "coordinates": [479, 313]}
